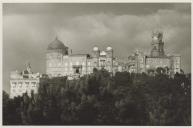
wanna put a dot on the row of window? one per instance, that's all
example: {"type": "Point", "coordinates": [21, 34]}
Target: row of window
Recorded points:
{"type": "Point", "coordinates": [24, 82]}
{"type": "Point", "coordinates": [69, 74]}
{"type": "Point", "coordinates": [77, 63]}
{"type": "Point", "coordinates": [72, 69]}
{"type": "Point", "coordinates": [176, 66]}
{"type": "Point", "coordinates": [23, 85]}
{"type": "Point", "coordinates": [148, 66]}
{"type": "Point", "coordinates": [20, 91]}
{"type": "Point", "coordinates": [157, 60]}
{"type": "Point", "coordinates": [67, 64]}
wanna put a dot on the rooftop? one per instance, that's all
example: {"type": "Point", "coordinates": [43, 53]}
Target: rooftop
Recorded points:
{"type": "Point", "coordinates": [56, 44]}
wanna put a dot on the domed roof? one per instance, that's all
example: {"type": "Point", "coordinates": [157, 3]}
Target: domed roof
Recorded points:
{"type": "Point", "coordinates": [95, 48]}
{"type": "Point", "coordinates": [103, 53]}
{"type": "Point", "coordinates": [56, 44]}
{"type": "Point", "coordinates": [109, 48]}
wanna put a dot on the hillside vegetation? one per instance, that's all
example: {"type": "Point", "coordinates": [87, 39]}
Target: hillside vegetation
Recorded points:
{"type": "Point", "coordinates": [100, 99]}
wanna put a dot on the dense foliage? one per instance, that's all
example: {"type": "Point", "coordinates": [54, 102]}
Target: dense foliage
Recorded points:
{"type": "Point", "coordinates": [100, 99]}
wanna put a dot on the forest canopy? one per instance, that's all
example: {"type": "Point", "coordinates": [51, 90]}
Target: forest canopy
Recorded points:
{"type": "Point", "coordinates": [102, 99]}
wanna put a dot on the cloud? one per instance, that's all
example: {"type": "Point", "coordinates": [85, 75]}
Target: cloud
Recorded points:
{"type": "Point", "coordinates": [128, 30]}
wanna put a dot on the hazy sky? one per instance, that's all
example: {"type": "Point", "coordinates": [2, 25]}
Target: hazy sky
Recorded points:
{"type": "Point", "coordinates": [29, 28]}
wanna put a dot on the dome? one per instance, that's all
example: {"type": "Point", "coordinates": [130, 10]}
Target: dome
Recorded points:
{"type": "Point", "coordinates": [109, 48]}
{"type": "Point", "coordinates": [56, 44]}
{"type": "Point", "coordinates": [95, 48]}
{"type": "Point", "coordinates": [103, 53]}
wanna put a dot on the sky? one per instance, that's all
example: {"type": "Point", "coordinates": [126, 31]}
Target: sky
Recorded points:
{"type": "Point", "coordinates": [28, 28]}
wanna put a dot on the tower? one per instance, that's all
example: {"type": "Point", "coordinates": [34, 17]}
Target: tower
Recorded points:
{"type": "Point", "coordinates": [139, 61]}
{"type": "Point", "coordinates": [176, 63]}
{"type": "Point", "coordinates": [157, 44]}
{"type": "Point", "coordinates": [109, 56]}
{"type": "Point", "coordinates": [95, 55]}
{"type": "Point", "coordinates": [109, 51]}
{"type": "Point", "coordinates": [54, 57]}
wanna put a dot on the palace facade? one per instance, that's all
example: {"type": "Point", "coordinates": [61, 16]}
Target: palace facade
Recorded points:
{"type": "Point", "coordinates": [60, 63]}
{"type": "Point", "coordinates": [139, 62]}
{"type": "Point", "coordinates": [24, 82]}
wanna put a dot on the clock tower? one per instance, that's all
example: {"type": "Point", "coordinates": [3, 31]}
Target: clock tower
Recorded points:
{"type": "Point", "coordinates": [157, 44]}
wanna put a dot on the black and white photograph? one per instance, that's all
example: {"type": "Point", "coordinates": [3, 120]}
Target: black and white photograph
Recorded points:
{"type": "Point", "coordinates": [96, 64]}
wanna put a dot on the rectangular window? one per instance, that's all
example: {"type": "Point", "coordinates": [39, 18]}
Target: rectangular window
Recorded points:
{"type": "Point", "coordinates": [14, 84]}
{"type": "Point", "coordinates": [26, 83]}
{"type": "Point", "coordinates": [33, 82]}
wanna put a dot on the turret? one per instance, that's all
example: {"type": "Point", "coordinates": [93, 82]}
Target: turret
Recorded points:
{"type": "Point", "coordinates": [95, 55]}
{"type": "Point", "coordinates": [109, 51]}
{"type": "Point", "coordinates": [96, 52]}
{"type": "Point", "coordinates": [109, 55]}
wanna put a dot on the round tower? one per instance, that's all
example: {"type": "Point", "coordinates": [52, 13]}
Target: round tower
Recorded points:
{"type": "Point", "coordinates": [54, 57]}
{"type": "Point", "coordinates": [109, 55]}
{"type": "Point", "coordinates": [96, 52]}
{"type": "Point", "coordinates": [109, 51]}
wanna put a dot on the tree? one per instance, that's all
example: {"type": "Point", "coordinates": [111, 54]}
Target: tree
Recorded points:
{"type": "Point", "coordinates": [102, 99]}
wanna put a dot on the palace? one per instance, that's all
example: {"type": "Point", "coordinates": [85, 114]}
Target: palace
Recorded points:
{"type": "Point", "coordinates": [60, 63]}
{"type": "Point", "coordinates": [139, 62]}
